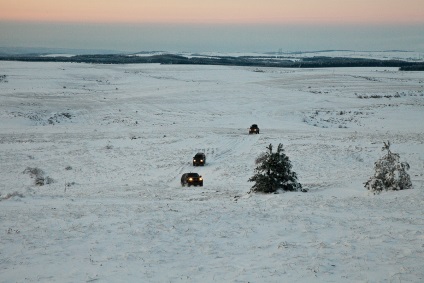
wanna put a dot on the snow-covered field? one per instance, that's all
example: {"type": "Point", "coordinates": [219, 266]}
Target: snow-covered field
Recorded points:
{"type": "Point", "coordinates": [113, 141]}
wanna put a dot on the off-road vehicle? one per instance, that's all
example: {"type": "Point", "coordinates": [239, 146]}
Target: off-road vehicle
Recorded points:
{"type": "Point", "coordinates": [191, 179]}
{"type": "Point", "coordinates": [254, 129]}
{"type": "Point", "coordinates": [199, 159]}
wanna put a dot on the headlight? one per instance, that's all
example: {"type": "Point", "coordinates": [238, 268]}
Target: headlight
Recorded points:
{"type": "Point", "coordinates": [201, 160]}
{"type": "Point", "coordinates": [200, 179]}
{"type": "Point", "coordinates": [190, 179]}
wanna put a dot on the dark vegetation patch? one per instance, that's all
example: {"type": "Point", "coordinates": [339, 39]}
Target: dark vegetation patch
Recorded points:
{"type": "Point", "coordinates": [395, 95]}
{"type": "Point", "coordinates": [257, 61]}
{"type": "Point", "coordinates": [335, 119]}
{"type": "Point", "coordinates": [417, 67]}
{"type": "Point", "coordinates": [45, 118]}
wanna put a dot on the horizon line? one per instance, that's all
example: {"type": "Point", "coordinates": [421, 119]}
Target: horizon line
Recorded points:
{"type": "Point", "coordinates": [221, 23]}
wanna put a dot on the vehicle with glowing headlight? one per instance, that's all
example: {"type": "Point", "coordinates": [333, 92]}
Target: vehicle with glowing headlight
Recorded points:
{"type": "Point", "coordinates": [199, 159]}
{"type": "Point", "coordinates": [191, 179]}
{"type": "Point", "coordinates": [254, 129]}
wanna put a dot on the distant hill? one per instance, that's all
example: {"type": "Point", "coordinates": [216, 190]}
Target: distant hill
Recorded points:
{"type": "Point", "coordinates": [292, 60]}
{"type": "Point", "coordinates": [45, 51]}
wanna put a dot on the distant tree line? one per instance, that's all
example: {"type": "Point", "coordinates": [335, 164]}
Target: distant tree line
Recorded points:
{"type": "Point", "coordinates": [261, 61]}
{"type": "Point", "coordinates": [417, 67]}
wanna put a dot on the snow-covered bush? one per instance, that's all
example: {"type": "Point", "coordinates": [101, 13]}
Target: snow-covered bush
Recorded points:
{"type": "Point", "coordinates": [390, 173]}
{"type": "Point", "coordinates": [11, 195]}
{"type": "Point", "coordinates": [273, 172]}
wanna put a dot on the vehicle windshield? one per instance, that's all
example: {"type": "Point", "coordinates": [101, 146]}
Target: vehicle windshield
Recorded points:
{"type": "Point", "coordinates": [192, 175]}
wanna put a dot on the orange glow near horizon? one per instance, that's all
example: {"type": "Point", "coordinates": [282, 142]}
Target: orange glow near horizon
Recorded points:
{"type": "Point", "coordinates": [215, 11]}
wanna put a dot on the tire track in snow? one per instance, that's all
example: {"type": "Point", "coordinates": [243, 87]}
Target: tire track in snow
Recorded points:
{"type": "Point", "coordinates": [220, 150]}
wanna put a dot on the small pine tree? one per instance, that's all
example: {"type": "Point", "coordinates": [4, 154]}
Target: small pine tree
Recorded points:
{"type": "Point", "coordinates": [273, 172]}
{"type": "Point", "coordinates": [390, 173]}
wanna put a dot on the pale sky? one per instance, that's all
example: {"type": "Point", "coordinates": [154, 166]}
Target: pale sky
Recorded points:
{"type": "Point", "coordinates": [213, 25]}
{"type": "Point", "coordinates": [214, 11]}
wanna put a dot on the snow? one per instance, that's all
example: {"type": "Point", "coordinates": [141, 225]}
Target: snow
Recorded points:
{"type": "Point", "coordinates": [58, 55]}
{"type": "Point", "coordinates": [410, 56]}
{"type": "Point", "coordinates": [117, 138]}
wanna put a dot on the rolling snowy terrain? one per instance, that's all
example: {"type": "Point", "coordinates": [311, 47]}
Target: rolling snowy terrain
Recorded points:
{"type": "Point", "coordinates": [110, 143]}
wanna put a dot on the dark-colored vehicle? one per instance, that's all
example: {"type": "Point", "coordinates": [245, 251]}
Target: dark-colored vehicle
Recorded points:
{"type": "Point", "coordinates": [254, 129]}
{"type": "Point", "coordinates": [191, 179]}
{"type": "Point", "coordinates": [199, 159]}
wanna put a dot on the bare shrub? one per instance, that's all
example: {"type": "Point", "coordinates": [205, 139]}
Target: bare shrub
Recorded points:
{"type": "Point", "coordinates": [38, 175]}
{"type": "Point", "coordinates": [12, 231]}
{"type": "Point", "coordinates": [34, 172]}
{"type": "Point", "coordinates": [69, 184]}
{"type": "Point", "coordinates": [48, 180]}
